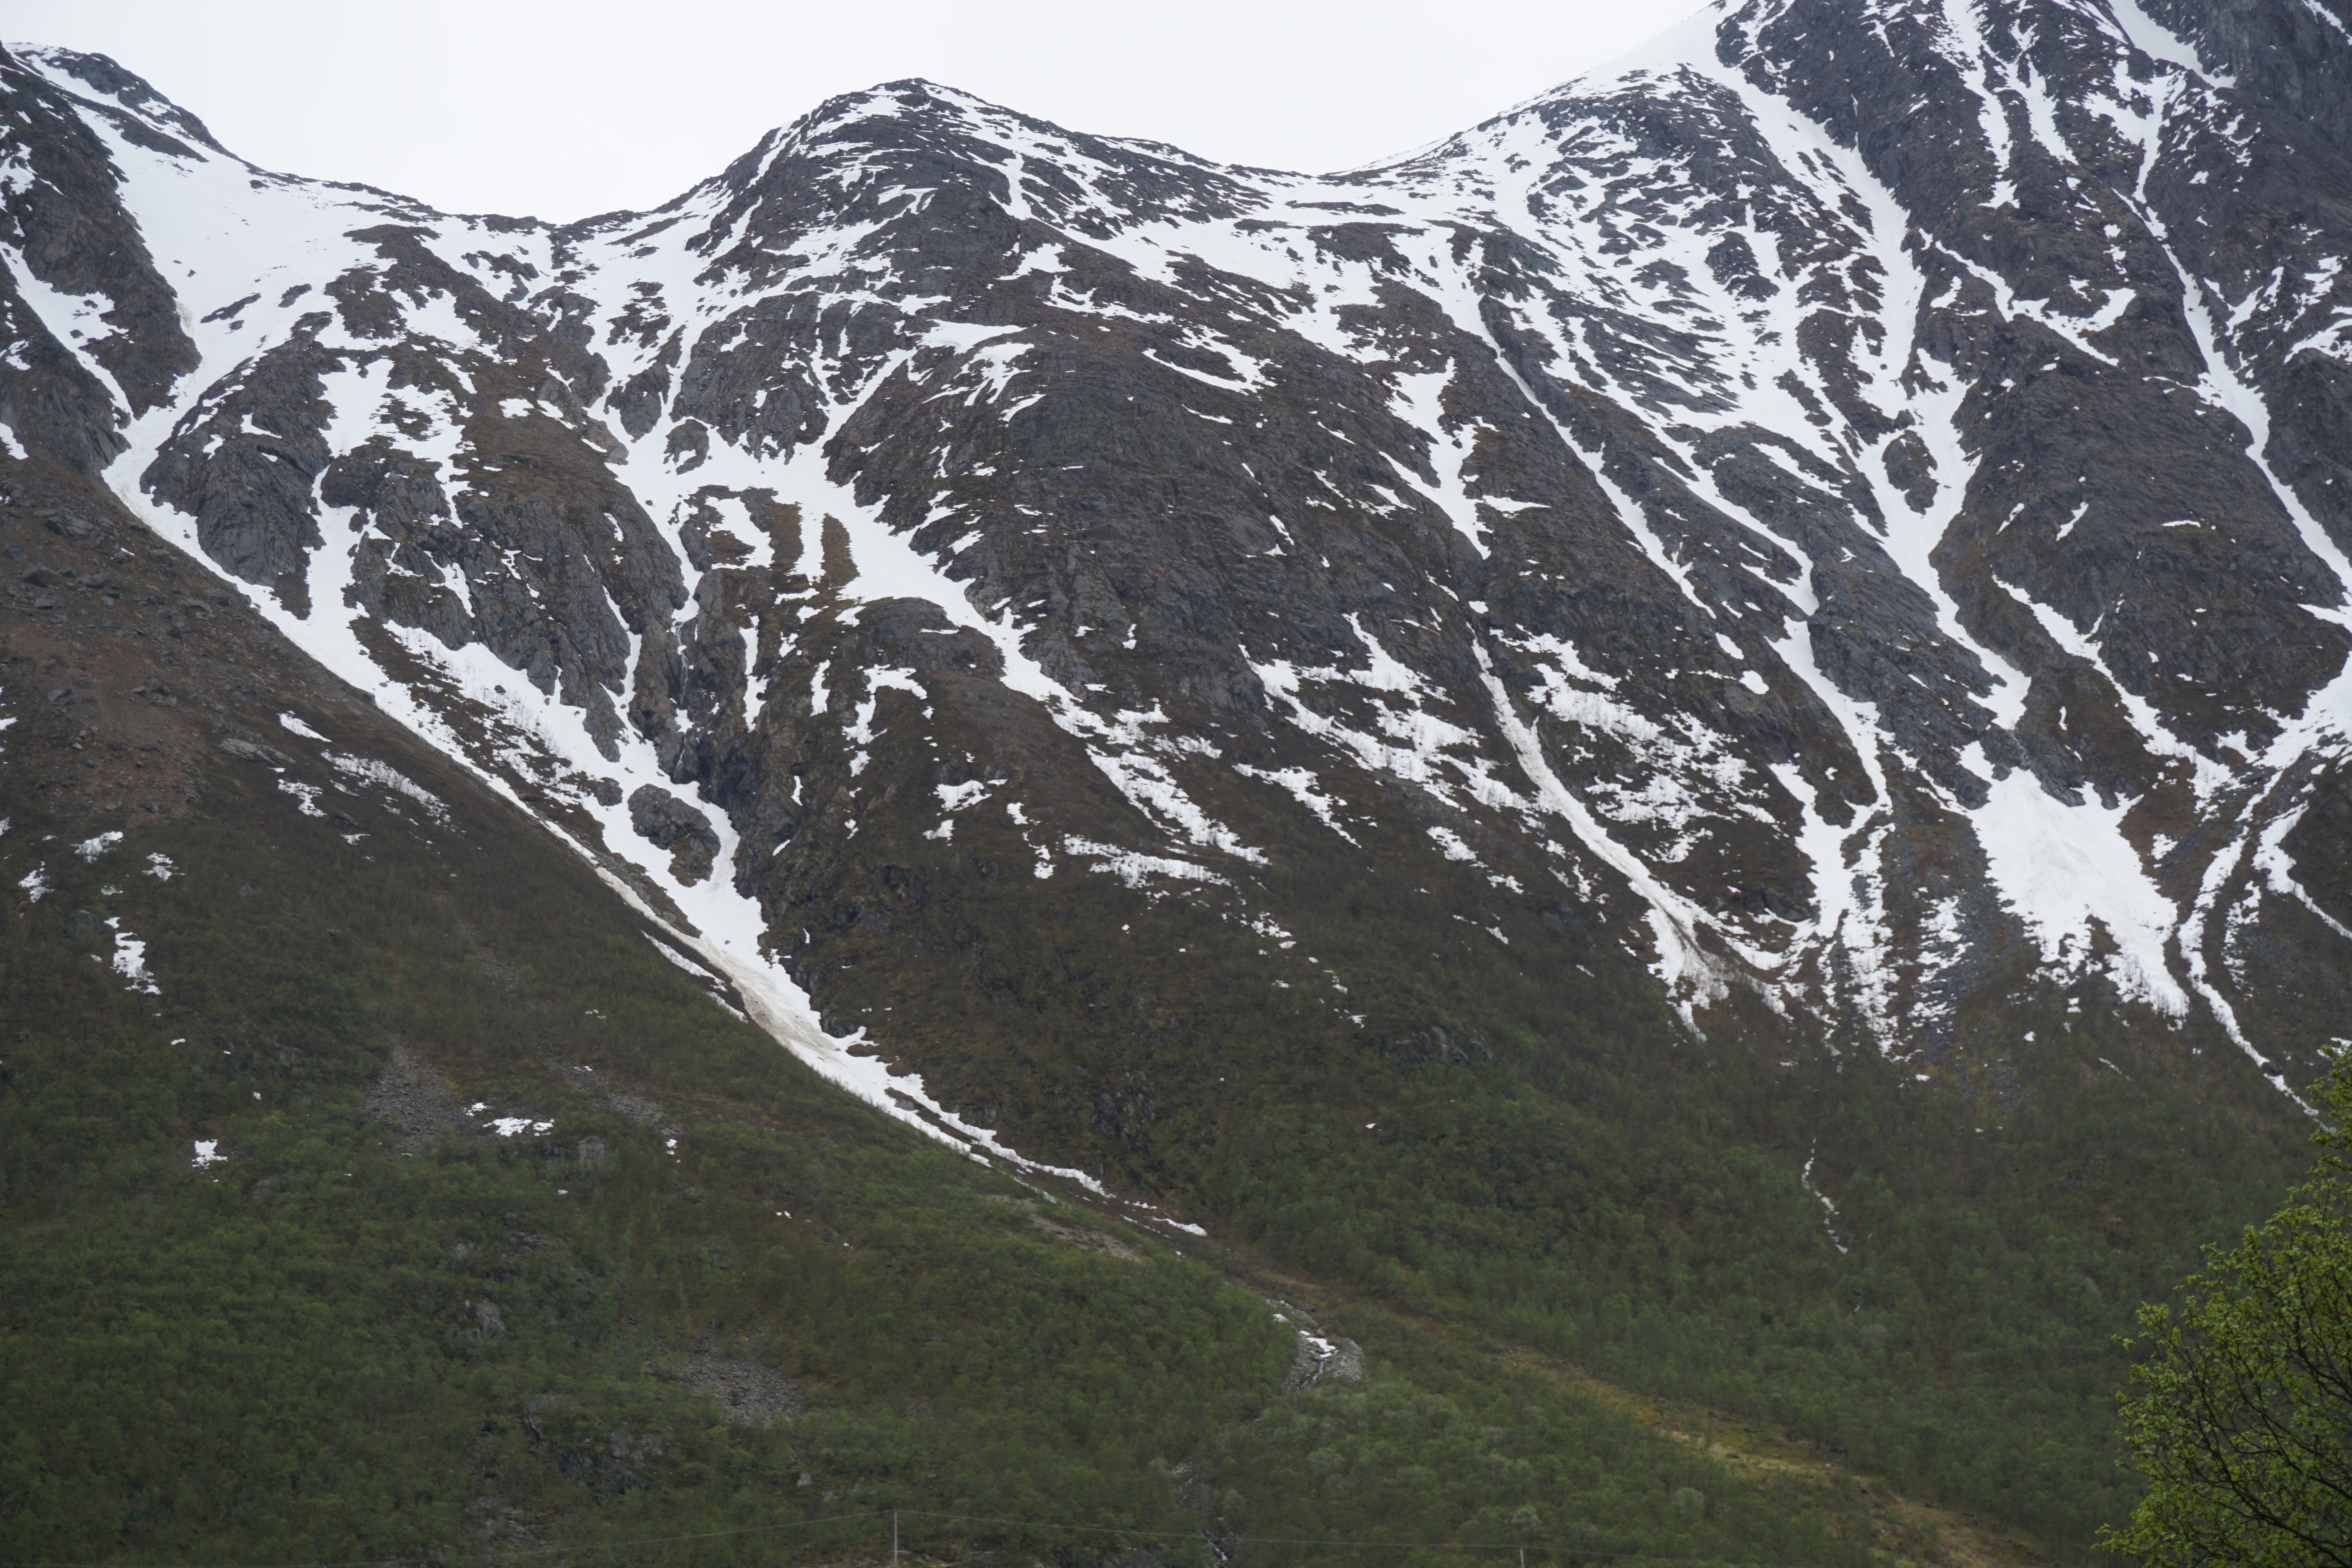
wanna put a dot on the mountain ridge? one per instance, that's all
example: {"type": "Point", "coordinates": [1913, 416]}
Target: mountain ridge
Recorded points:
{"type": "Point", "coordinates": [1814, 563]}
{"type": "Point", "coordinates": [2001, 646]}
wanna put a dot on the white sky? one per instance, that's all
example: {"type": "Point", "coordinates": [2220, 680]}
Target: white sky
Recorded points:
{"type": "Point", "coordinates": [563, 111]}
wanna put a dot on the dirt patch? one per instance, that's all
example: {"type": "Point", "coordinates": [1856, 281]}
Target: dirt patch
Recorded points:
{"type": "Point", "coordinates": [1908, 1533]}
{"type": "Point", "coordinates": [1076, 1236]}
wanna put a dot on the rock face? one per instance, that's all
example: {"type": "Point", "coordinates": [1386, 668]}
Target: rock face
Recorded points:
{"type": "Point", "coordinates": [668, 823]}
{"type": "Point", "coordinates": [1848, 509]}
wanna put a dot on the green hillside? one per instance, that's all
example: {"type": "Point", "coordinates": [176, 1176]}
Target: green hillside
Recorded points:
{"type": "Point", "coordinates": [375, 1328]}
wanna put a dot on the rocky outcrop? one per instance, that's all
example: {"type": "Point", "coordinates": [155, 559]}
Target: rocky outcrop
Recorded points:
{"type": "Point", "coordinates": [1851, 511]}
{"type": "Point", "coordinates": [668, 823]}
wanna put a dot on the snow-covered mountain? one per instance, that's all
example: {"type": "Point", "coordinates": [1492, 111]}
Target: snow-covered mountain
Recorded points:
{"type": "Point", "coordinates": [1847, 508]}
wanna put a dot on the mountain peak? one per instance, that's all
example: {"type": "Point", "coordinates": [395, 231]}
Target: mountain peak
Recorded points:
{"type": "Point", "coordinates": [1753, 352]}
{"type": "Point", "coordinates": [115, 86]}
{"type": "Point", "coordinates": [1786, 595]}
{"type": "Point", "coordinates": [1728, 509]}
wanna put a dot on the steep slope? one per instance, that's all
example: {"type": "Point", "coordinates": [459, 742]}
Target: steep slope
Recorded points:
{"type": "Point", "coordinates": [374, 1183]}
{"type": "Point", "coordinates": [1481, 498]}
{"type": "Point", "coordinates": [1468, 723]}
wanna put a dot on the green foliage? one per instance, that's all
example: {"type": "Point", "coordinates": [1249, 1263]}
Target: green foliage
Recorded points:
{"type": "Point", "coordinates": [2243, 1424]}
{"type": "Point", "coordinates": [1389, 1461]}
{"type": "Point", "coordinates": [329, 1345]}
{"type": "Point", "coordinates": [342, 1343]}
{"type": "Point", "coordinates": [1572, 1170]}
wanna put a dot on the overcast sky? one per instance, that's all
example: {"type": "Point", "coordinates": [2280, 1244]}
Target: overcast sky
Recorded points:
{"type": "Point", "coordinates": [563, 111]}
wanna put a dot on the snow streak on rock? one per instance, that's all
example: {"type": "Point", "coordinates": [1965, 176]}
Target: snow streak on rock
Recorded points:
{"type": "Point", "coordinates": [1854, 496]}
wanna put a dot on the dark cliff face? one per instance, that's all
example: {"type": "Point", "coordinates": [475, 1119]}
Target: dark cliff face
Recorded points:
{"type": "Point", "coordinates": [1841, 524]}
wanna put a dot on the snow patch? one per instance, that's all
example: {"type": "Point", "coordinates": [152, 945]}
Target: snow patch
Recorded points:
{"type": "Point", "coordinates": [2067, 869]}
{"type": "Point", "coordinates": [515, 1126]}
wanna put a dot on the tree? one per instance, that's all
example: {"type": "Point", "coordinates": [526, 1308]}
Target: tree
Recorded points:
{"type": "Point", "coordinates": [2242, 1415]}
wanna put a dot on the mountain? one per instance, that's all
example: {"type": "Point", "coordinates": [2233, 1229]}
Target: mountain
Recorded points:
{"type": "Point", "coordinates": [1720, 701]}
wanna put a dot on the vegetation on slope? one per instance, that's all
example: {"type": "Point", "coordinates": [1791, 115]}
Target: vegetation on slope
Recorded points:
{"type": "Point", "coordinates": [1519, 1139]}
{"type": "Point", "coordinates": [2241, 1402]}
{"type": "Point", "coordinates": [284, 1356]}
{"type": "Point", "coordinates": [374, 1327]}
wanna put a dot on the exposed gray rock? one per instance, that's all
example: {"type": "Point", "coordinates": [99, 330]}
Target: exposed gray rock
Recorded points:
{"type": "Point", "coordinates": [414, 1096]}
{"type": "Point", "coordinates": [750, 1393]}
{"type": "Point", "coordinates": [1703, 539]}
{"type": "Point", "coordinates": [671, 824]}
{"type": "Point", "coordinates": [250, 750]}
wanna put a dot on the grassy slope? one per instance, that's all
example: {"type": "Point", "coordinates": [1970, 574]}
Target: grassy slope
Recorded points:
{"type": "Point", "coordinates": [280, 1357]}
